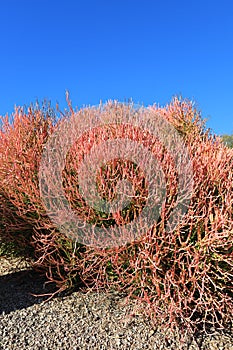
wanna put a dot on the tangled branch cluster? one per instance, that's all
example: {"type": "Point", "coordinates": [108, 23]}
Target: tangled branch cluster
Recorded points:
{"type": "Point", "coordinates": [183, 277]}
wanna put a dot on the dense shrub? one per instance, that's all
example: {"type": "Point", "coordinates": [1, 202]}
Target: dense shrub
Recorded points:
{"type": "Point", "coordinates": [183, 277]}
{"type": "Point", "coordinates": [21, 144]}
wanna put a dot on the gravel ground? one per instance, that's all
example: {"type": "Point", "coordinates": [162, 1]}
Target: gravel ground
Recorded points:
{"type": "Point", "coordinates": [79, 321]}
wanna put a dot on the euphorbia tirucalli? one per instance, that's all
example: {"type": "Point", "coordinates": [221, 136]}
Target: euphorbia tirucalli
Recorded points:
{"type": "Point", "coordinates": [21, 143]}
{"type": "Point", "coordinates": [183, 277]}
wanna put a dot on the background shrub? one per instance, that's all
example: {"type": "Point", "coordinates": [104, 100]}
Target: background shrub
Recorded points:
{"type": "Point", "coordinates": [228, 140]}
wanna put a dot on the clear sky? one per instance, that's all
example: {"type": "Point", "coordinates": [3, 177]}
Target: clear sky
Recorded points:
{"type": "Point", "coordinates": [147, 50]}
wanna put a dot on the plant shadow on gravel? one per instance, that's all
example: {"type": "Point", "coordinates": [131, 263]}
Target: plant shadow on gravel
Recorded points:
{"type": "Point", "coordinates": [25, 287]}
{"type": "Point", "coordinates": [22, 289]}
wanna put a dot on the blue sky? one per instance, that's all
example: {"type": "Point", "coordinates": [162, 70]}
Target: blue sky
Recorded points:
{"type": "Point", "coordinates": [146, 50]}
